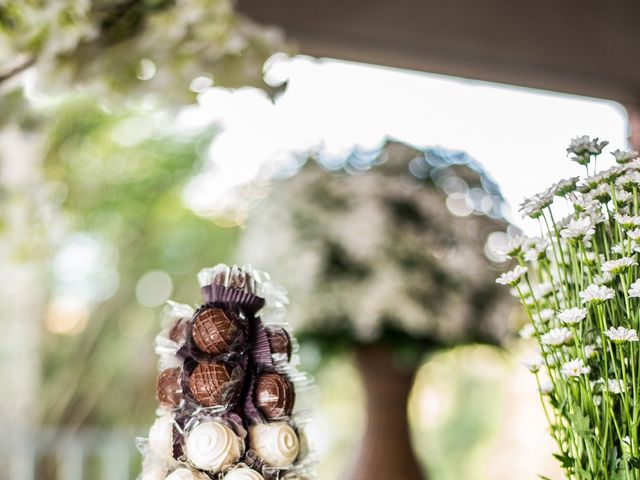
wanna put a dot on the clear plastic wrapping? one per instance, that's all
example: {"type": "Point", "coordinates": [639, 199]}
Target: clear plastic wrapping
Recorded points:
{"type": "Point", "coordinates": [228, 386]}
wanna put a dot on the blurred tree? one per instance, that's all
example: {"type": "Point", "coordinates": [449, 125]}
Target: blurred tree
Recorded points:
{"type": "Point", "coordinates": [81, 232]}
{"type": "Point", "coordinates": [134, 46]}
{"type": "Point", "coordinates": [385, 252]}
{"type": "Point", "coordinates": [69, 187]}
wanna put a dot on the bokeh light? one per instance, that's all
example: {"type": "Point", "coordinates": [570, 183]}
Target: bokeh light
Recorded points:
{"type": "Point", "coordinates": [154, 288]}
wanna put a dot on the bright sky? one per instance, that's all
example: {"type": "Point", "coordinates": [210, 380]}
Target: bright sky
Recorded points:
{"type": "Point", "coordinates": [518, 134]}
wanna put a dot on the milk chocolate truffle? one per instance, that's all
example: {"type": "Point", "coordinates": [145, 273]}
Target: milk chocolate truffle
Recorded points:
{"type": "Point", "coordinates": [215, 332]}
{"type": "Point", "coordinates": [276, 444]}
{"type": "Point", "coordinates": [280, 343]}
{"type": "Point", "coordinates": [243, 473]}
{"type": "Point", "coordinates": [179, 331]}
{"type": "Point", "coordinates": [168, 387]}
{"type": "Point", "coordinates": [274, 396]}
{"type": "Point", "coordinates": [212, 446]}
{"type": "Point", "coordinates": [213, 384]}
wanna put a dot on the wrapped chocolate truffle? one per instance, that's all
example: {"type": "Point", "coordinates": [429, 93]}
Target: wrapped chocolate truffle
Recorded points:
{"type": "Point", "coordinates": [169, 390]}
{"type": "Point", "coordinates": [161, 435]}
{"type": "Point", "coordinates": [212, 447]}
{"type": "Point", "coordinates": [179, 330]}
{"type": "Point", "coordinates": [216, 331]}
{"type": "Point", "coordinates": [215, 384]}
{"type": "Point", "coordinates": [280, 343]}
{"type": "Point", "coordinates": [274, 396]}
{"type": "Point", "coordinates": [276, 444]}
{"type": "Point", "coordinates": [226, 386]}
{"type": "Point", "coordinates": [176, 321]}
{"type": "Point", "coordinates": [186, 474]}
{"type": "Point", "coordinates": [243, 473]}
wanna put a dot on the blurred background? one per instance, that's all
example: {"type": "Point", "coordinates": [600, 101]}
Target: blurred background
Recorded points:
{"type": "Point", "coordinates": [140, 139]}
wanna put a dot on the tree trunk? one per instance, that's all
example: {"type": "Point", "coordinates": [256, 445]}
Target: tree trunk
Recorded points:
{"type": "Point", "coordinates": [22, 261]}
{"type": "Point", "coordinates": [385, 452]}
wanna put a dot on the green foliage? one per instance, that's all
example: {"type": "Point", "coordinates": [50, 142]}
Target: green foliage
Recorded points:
{"type": "Point", "coordinates": [133, 45]}
{"type": "Point", "coordinates": [129, 198]}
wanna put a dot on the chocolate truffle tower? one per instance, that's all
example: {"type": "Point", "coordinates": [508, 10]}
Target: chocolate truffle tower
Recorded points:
{"type": "Point", "coordinates": [227, 386]}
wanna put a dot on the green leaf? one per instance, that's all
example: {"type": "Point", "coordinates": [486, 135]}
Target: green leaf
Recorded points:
{"type": "Point", "coordinates": [580, 422]}
{"type": "Point", "coordinates": [565, 460]}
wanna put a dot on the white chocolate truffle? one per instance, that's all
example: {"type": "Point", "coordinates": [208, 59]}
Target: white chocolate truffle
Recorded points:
{"type": "Point", "coordinates": [154, 473]}
{"type": "Point", "coordinates": [275, 443]}
{"type": "Point", "coordinates": [212, 446]}
{"type": "Point", "coordinates": [161, 436]}
{"type": "Point", "coordinates": [243, 473]}
{"type": "Point", "coordinates": [186, 474]}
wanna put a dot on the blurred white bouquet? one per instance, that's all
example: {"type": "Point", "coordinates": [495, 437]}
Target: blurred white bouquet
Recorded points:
{"type": "Point", "coordinates": [386, 246]}
{"type": "Point", "coordinates": [579, 283]}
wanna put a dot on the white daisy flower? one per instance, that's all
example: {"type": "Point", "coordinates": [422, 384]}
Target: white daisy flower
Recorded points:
{"type": "Point", "coordinates": [634, 289]}
{"type": "Point", "coordinates": [578, 229]}
{"type": "Point", "coordinates": [575, 368]}
{"type": "Point", "coordinates": [612, 173]}
{"type": "Point", "coordinates": [583, 203]}
{"type": "Point", "coordinates": [596, 216]}
{"type": "Point", "coordinates": [624, 157]}
{"type": "Point", "coordinates": [602, 192]}
{"type": "Point", "coordinates": [625, 180]}
{"type": "Point", "coordinates": [590, 257]}
{"type": "Point", "coordinates": [565, 186]}
{"type": "Point", "coordinates": [618, 265]}
{"type": "Point", "coordinates": [628, 222]}
{"type": "Point", "coordinates": [596, 294]}
{"type": "Point", "coordinates": [615, 386]}
{"type": "Point", "coordinates": [546, 387]}
{"type": "Point", "coordinates": [622, 196]}
{"type": "Point", "coordinates": [542, 290]}
{"type": "Point", "coordinates": [514, 246]}
{"type": "Point", "coordinates": [622, 334]}
{"type": "Point", "coordinates": [623, 247]}
{"type": "Point", "coordinates": [572, 316]}
{"type": "Point", "coordinates": [590, 351]}
{"type": "Point", "coordinates": [545, 315]}
{"type": "Point", "coordinates": [531, 256]}
{"type": "Point", "coordinates": [533, 206]}
{"type": "Point", "coordinates": [557, 336]}
{"type": "Point", "coordinates": [512, 277]}
{"type": "Point", "coordinates": [524, 290]}
{"type": "Point", "coordinates": [603, 279]}
{"type": "Point", "coordinates": [583, 146]}
{"type": "Point", "coordinates": [533, 364]}
{"type": "Point", "coordinates": [635, 176]}
{"type": "Point", "coordinates": [527, 331]}
{"type": "Point", "coordinates": [536, 249]}
{"type": "Point", "coordinates": [634, 234]}
{"type": "Point", "coordinates": [552, 360]}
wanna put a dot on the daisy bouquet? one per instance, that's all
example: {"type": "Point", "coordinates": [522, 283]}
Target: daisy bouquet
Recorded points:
{"type": "Point", "coordinates": [579, 283]}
